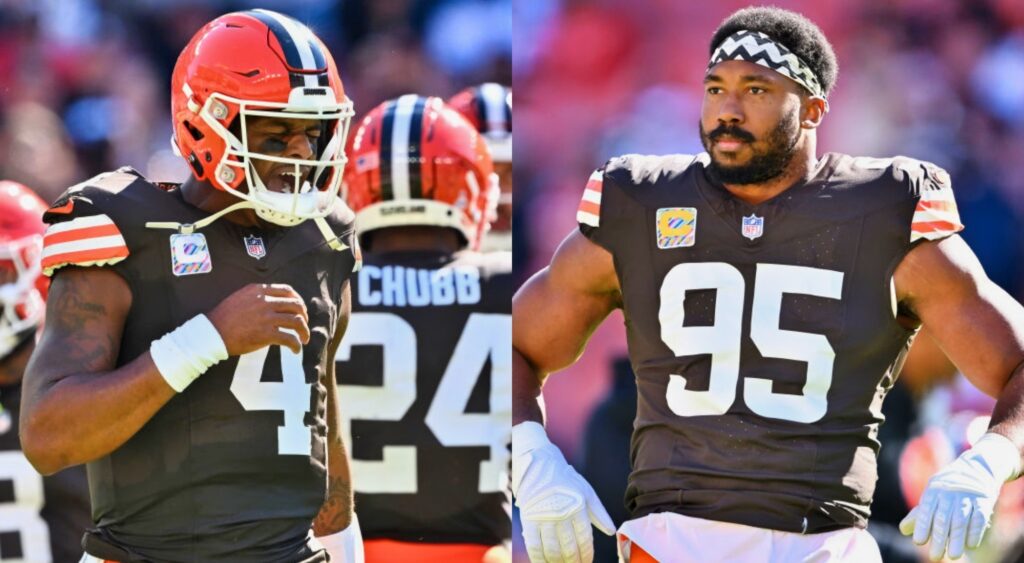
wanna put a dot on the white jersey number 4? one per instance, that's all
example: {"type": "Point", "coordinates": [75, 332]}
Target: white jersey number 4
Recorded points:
{"type": "Point", "coordinates": [291, 395]}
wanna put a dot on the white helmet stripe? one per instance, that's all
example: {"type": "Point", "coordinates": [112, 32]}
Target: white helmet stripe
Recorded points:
{"type": "Point", "coordinates": [493, 96]}
{"type": "Point", "coordinates": [404, 110]}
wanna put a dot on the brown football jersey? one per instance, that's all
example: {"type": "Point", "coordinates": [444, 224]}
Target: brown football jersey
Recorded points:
{"type": "Point", "coordinates": [764, 337]}
{"type": "Point", "coordinates": [425, 391]}
{"type": "Point", "coordinates": [233, 468]}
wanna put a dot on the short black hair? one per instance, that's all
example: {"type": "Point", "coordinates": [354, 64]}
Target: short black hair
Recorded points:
{"type": "Point", "coordinates": [799, 34]}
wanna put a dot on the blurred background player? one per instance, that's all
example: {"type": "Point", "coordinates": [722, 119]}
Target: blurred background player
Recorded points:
{"type": "Point", "coordinates": [41, 518]}
{"type": "Point", "coordinates": [424, 370]}
{"type": "Point", "coordinates": [489, 108]}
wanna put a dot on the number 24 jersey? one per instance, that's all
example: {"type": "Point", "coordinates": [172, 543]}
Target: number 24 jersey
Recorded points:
{"type": "Point", "coordinates": [764, 338]}
{"type": "Point", "coordinates": [425, 392]}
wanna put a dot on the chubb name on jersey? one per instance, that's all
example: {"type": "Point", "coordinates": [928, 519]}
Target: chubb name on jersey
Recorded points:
{"type": "Point", "coordinates": [399, 286]}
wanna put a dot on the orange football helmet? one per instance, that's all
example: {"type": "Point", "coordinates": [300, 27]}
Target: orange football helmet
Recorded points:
{"type": "Point", "coordinates": [489, 108]}
{"type": "Point", "coordinates": [260, 63]}
{"type": "Point", "coordinates": [416, 161]}
{"type": "Point", "coordinates": [22, 285]}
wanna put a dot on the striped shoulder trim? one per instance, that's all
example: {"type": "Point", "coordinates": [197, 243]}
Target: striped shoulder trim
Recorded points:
{"type": "Point", "coordinates": [84, 241]}
{"type": "Point", "coordinates": [936, 216]}
{"type": "Point", "coordinates": [589, 212]}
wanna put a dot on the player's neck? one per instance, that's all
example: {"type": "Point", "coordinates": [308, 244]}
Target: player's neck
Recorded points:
{"type": "Point", "coordinates": [799, 170]}
{"type": "Point", "coordinates": [414, 239]}
{"type": "Point", "coordinates": [204, 196]}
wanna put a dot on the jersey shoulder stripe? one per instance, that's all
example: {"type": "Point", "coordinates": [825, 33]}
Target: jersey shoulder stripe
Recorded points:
{"type": "Point", "coordinates": [94, 240]}
{"type": "Point", "coordinates": [589, 212]}
{"type": "Point", "coordinates": [935, 215]}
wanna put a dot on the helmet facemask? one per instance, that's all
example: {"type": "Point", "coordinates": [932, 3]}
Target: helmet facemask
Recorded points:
{"type": "Point", "coordinates": [21, 303]}
{"type": "Point", "coordinates": [315, 182]}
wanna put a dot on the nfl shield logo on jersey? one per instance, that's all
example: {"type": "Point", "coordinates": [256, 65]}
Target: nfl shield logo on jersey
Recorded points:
{"type": "Point", "coordinates": [254, 246]}
{"type": "Point", "coordinates": [753, 226]}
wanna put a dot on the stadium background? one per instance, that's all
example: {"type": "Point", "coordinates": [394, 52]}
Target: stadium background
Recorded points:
{"type": "Point", "coordinates": [85, 84]}
{"type": "Point", "coordinates": [939, 80]}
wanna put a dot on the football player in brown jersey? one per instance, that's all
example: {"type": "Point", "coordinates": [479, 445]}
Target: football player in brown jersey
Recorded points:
{"type": "Point", "coordinates": [770, 294]}
{"type": "Point", "coordinates": [426, 367]}
{"type": "Point", "coordinates": [186, 354]}
{"type": "Point", "coordinates": [45, 517]}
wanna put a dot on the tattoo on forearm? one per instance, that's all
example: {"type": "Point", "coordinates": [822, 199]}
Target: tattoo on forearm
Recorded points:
{"type": "Point", "coordinates": [336, 512]}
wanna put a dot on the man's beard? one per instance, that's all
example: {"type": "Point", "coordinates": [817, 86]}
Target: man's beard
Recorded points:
{"type": "Point", "coordinates": [763, 165]}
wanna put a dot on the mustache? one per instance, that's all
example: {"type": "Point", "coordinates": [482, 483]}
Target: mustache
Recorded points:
{"type": "Point", "coordinates": [734, 132]}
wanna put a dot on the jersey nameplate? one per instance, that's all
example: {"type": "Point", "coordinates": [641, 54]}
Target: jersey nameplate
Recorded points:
{"type": "Point", "coordinates": [190, 255]}
{"type": "Point", "coordinates": [399, 286]}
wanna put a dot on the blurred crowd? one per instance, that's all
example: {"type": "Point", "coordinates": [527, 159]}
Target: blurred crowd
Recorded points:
{"type": "Point", "coordinates": [85, 84]}
{"type": "Point", "coordinates": [938, 80]}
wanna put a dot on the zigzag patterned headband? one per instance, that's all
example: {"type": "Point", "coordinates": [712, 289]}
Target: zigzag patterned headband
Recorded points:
{"type": "Point", "coordinates": [758, 48]}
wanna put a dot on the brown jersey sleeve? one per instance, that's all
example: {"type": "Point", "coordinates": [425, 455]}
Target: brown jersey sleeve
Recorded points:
{"type": "Point", "coordinates": [602, 202]}
{"type": "Point", "coordinates": [79, 232]}
{"type": "Point", "coordinates": [936, 215]}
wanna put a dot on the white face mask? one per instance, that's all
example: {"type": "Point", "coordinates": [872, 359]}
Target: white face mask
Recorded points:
{"type": "Point", "coordinates": [21, 305]}
{"type": "Point", "coordinates": [302, 201]}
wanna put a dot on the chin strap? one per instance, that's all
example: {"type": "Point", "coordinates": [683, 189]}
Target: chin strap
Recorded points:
{"type": "Point", "coordinates": [332, 239]}
{"type": "Point", "coordinates": [188, 228]}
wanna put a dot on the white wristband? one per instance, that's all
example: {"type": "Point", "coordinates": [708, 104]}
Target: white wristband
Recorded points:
{"type": "Point", "coordinates": [1000, 454]}
{"type": "Point", "coordinates": [188, 351]}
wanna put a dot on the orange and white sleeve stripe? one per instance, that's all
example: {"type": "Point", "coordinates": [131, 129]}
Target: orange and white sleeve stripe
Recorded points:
{"type": "Point", "coordinates": [589, 212]}
{"type": "Point", "coordinates": [936, 216]}
{"type": "Point", "coordinates": [83, 241]}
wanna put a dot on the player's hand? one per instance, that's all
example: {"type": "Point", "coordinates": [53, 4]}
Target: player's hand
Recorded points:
{"type": "Point", "coordinates": [555, 503]}
{"type": "Point", "coordinates": [956, 507]}
{"type": "Point", "coordinates": [259, 315]}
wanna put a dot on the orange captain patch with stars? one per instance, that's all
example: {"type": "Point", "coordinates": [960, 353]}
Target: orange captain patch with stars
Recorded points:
{"type": "Point", "coordinates": [676, 226]}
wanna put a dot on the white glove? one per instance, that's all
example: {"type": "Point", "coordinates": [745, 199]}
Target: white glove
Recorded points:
{"type": "Point", "coordinates": [345, 546]}
{"type": "Point", "coordinates": [556, 505]}
{"type": "Point", "coordinates": [957, 505]}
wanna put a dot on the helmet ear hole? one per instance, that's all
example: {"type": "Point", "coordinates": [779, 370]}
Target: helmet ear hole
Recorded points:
{"type": "Point", "coordinates": [196, 133]}
{"type": "Point", "coordinates": [197, 166]}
